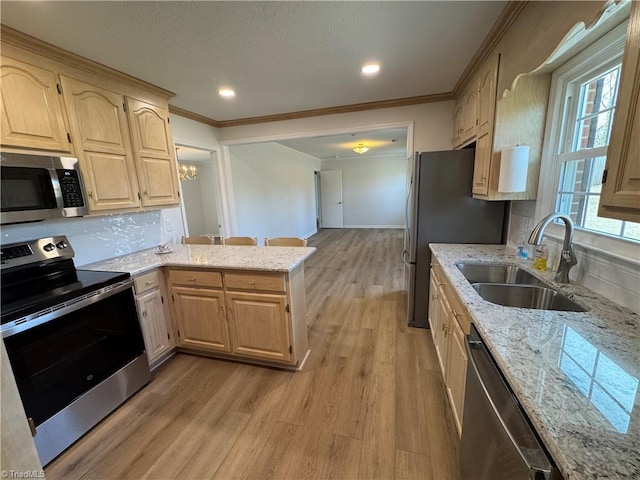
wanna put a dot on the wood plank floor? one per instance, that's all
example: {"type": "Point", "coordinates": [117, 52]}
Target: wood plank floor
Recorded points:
{"type": "Point", "coordinates": [368, 404]}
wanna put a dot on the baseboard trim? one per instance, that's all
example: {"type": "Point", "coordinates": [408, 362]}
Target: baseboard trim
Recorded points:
{"type": "Point", "coordinates": [373, 226]}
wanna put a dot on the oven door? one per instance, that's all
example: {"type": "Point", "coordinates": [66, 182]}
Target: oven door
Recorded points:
{"type": "Point", "coordinates": [58, 361]}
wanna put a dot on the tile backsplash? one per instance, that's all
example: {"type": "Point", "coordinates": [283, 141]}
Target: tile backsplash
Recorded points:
{"type": "Point", "coordinates": [610, 276]}
{"type": "Point", "coordinates": [101, 237]}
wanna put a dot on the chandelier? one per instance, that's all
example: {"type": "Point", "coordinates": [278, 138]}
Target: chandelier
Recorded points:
{"type": "Point", "coordinates": [187, 172]}
{"type": "Point", "coordinates": [361, 148]}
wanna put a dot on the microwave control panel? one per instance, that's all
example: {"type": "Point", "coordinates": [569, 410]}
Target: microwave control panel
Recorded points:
{"type": "Point", "coordinates": [71, 189]}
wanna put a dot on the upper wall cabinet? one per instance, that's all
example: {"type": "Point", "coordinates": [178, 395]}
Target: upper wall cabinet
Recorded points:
{"type": "Point", "coordinates": [32, 113]}
{"type": "Point", "coordinates": [118, 125]}
{"type": "Point", "coordinates": [154, 153]}
{"type": "Point", "coordinates": [99, 126]}
{"type": "Point", "coordinates": [621, 191]}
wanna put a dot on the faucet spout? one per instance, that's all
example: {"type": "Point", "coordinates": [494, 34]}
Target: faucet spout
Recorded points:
{"type": "Point", "coordinates": [567, 257]}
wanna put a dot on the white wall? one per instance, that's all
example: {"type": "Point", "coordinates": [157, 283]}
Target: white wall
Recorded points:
{"type": "Point", "coordinates": [433, 125]}
{"type": "Point", "coordinates": [373, 190]}
{"type": "Point", "coordinates": [274, 191]}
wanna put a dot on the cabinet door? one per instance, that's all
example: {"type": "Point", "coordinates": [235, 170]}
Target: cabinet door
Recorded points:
{"type": "Point", "coordinates": [433, 299]}
{"type": "Point", "coordinates": [154, 153]}
{"type": "Point", "coordinates": [469, 117]}
{"type": "Point", "coordinates": [99, 125]}
{"type": "Point", "coordinates": [486, 102]}
{"type": "Point", "coordinates": [482, 165]}
{"type": "Point", "coordinates": [457, 125]}
{"type": "Point", "coordinates": [621, 191]}
{"type": "Point", "coordinates": [201, 319]}
{"type": "Point", "coordinates": [440, 331]}
{"type": "Point", "coordinates": [259, 326]}
{"type": "Point", "coordinates": [31, 107]}
{"type": "Point", "coordinates": [456, 371]}
{"type": "Point", "coordinates": [154, 326]}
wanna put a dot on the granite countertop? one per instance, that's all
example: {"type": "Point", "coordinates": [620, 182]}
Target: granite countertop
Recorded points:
{"type": "Point", "coordinates": [575, 374]}
{"type": "Point", "coordinates": [271, 259]}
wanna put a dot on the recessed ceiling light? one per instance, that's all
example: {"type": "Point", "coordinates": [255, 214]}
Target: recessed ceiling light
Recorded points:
{"type": "Point", "coordinates": [226, 93]}
{"type": "Point", "coordinates": [371, 69]}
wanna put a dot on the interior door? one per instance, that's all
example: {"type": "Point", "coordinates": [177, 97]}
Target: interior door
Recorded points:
{"type": "Point", "coordinates": [331, 198]}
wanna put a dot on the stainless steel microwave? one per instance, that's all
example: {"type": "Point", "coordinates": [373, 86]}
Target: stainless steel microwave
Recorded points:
{"type": "Point", "coordinates": [36, 187]}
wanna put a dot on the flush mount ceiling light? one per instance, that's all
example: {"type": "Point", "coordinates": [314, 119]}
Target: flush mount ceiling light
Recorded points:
{"type": "Point", "coordinates": [371, 69]}
{"type": "Point", "coordinates": [226, 93]}
{"type": "Point", "coordinates": [361, 148]}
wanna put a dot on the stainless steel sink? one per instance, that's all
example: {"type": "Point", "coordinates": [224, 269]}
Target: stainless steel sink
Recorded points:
{"type": "Point", "coordinates": [526, 296]}
{"type": "Point", "coordinates": [496, 273]}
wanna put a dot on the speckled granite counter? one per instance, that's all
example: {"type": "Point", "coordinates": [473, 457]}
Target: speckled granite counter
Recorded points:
{"type": "Point", "coordinates": [576, 374]}
{"type": "Point", "coordinates": [273, 259]}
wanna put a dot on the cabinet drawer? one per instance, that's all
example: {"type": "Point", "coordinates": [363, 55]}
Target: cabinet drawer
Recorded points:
{"type": "Point", "coordinates": [146, 282]}
{"type": "Point", "coordinates": [195, 278]}
{"type": "Point", "coordinates": [255, 281]}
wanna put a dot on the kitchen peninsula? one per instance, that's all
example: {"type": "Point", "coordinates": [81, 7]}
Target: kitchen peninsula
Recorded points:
{"type": "Point", "coordinates": [236, 302]}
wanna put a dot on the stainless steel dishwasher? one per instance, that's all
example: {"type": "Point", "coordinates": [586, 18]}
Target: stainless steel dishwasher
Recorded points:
{"type": "Point", "coordinates": [498, 442]}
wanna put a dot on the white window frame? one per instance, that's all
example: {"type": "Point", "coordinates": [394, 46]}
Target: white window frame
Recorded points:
{"type": "Point", "coordinates": [607, 49]}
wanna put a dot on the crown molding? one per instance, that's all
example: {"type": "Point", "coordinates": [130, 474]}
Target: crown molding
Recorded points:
{"type": "Point", "coordinates": [194, 116]}
{"type": "Point", "coordinates": [500, 27]}
{"type": "Point", "coordinates": [27, 42]}
{"type": "Point", "coordinates": [356, 107]}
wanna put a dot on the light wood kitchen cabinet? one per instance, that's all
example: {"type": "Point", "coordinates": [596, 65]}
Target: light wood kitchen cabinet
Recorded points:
{"type": "Point", "coordinates": [621, 191]}
{"type": "Point", "coordinates": [118, 126]}
{"type": "Point", "coordinates": [259, 325]}
{"type": "Point", "coordinates": [482, 164]}
{"type": "Point", "coordinates": [486, 101]}
{"type": "Point", "coordinates": [449, 325]}
{"type": "Point", "coordinates": [99, 127]}
{"type": "Point", "coordinates": [154, 153]}
{"type": "Point", "coordinates": [469, 118]}
{"type": "Point", "coordinates": [253, 316]}
{"type": "Point", "coordinates": [154, 321]}
{"type": "Point", "coordinates": [199, 309]}
{"type": "Point", "coordinates": [32, 112]}
{"type": "Point", "coordinates": [457, 124]}
{"type": "Point", "coordinates": [201, 319]}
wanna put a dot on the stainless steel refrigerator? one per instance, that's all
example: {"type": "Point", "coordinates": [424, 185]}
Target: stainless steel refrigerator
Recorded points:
{"type": "Point", "coordinates": [441, 209]}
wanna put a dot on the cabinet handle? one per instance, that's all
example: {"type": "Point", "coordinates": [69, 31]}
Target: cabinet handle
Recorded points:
{"type": "Point", "coordinates": [144, 314]}
{"type": "Point", "coordinates": [149, 282]}
{"type": "Point", "coordinates": [192, 279]}
{"type": "Point", "coordinates": [90, 194]}
{"type": "Point", "coordinates": [145, 193]}
{"type": "Point", "coordinates": [252, 283]}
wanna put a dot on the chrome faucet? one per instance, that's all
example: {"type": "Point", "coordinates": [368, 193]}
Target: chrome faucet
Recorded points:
{"type": "Point", "coordinates": [567, 257]}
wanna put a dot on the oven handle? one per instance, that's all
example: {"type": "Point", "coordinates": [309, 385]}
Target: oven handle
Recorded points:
{"type": "Point", "coordinates": [536, 471]}
{"type": "Point", "coordinates": [46, 315]}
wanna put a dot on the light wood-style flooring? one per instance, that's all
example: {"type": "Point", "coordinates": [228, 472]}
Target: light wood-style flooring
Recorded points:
{"type": "Point", "coordinates": [369, 403]}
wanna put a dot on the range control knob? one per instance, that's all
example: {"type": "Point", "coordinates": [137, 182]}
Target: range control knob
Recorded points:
{"type": "Point", "coordinates": [48, 247]}
{"type": "Point", "coordinates": [62, 244]}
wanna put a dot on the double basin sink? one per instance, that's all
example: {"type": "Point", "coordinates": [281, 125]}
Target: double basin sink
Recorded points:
{"type": "Point", "coordinates": [509, 285]}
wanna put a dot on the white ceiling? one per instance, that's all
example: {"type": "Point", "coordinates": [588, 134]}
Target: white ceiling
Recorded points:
{"type": "Point", "coordinates": [278, 56]}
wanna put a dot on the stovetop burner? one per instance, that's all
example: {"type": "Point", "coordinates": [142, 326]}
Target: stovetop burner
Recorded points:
{"type": "Point", "coordinates": [39, 274]}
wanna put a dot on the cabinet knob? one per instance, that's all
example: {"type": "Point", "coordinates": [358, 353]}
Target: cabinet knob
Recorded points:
{"type": "Point", "coordinates": [144, 313]}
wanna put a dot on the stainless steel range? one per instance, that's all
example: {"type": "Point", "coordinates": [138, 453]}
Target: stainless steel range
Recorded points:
{"type": "Point", "coordinates": [73, 339]}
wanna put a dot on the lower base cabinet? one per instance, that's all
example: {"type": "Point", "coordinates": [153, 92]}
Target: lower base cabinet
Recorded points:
{"type": "Point", "coordinates": [253, 316]}
{"type": "Point", "coordinates": [201, 319]}
{"type": "Point", "coordinates": [154, 320]}
{"type": "Point", "coordinates": [449, 325]}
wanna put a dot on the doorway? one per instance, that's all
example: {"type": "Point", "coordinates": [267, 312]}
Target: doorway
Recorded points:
{"type": "Point", "coordinates": [199, 191]}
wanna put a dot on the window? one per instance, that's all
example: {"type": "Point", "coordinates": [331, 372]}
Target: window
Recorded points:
{"type": "Point", "coordinates": [587, 88]}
